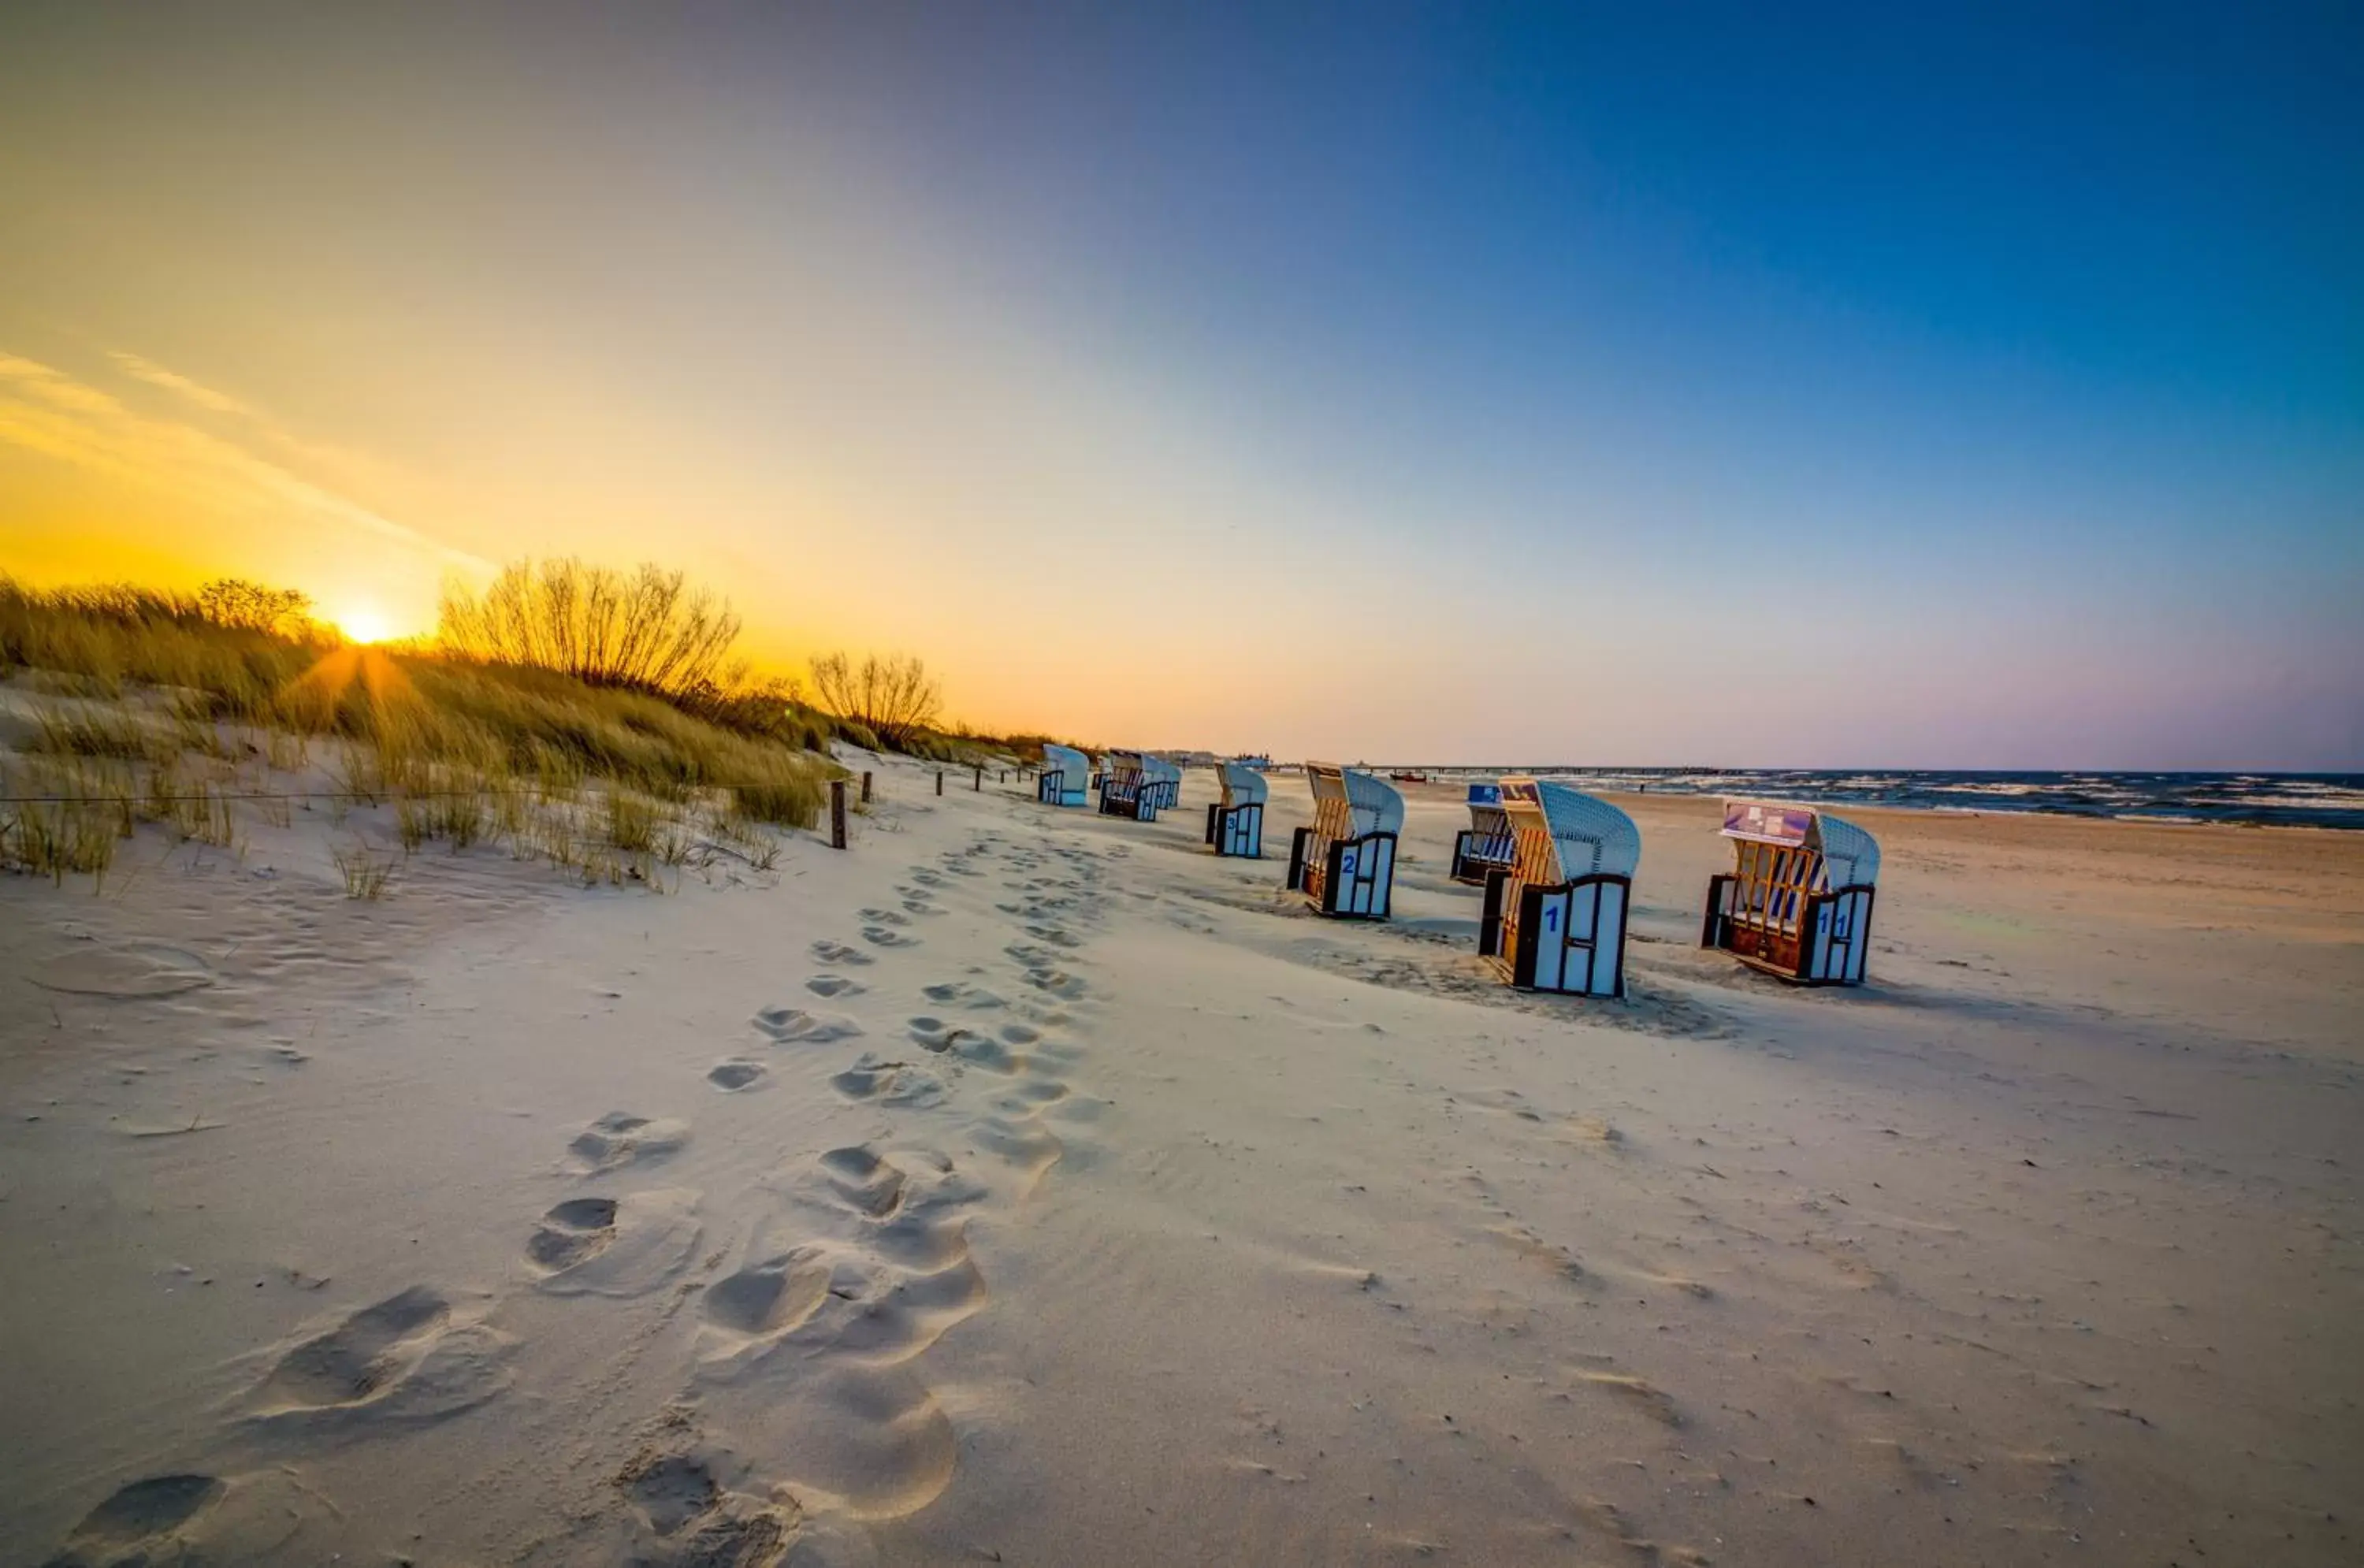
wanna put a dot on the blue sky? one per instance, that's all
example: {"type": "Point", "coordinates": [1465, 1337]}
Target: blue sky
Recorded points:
{"type": "Point", "coordinates": [1614, 383]}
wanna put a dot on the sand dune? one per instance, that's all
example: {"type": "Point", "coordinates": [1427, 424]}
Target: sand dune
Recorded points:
{"type": "Point", "coordinates": [1029, 1187]}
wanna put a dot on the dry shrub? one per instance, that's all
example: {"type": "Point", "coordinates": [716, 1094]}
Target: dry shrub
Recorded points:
{"type": "Point", "coordinates": [892, 696]}
{"type": "Point", "coordinates": [645, 631]}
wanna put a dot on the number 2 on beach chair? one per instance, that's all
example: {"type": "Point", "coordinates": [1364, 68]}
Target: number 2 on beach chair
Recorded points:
{"type": "Point", "coordinates": [1346, 862]}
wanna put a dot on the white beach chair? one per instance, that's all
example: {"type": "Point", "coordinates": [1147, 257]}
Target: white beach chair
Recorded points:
{"type": "Point", "coordinates": [1798, 900]}
{"type": "Point", "coordinates": [1166, 782]}
{"type": "Point", "coordinates": [1487, 843]}
{"type": "Point", "coordinates": [1346, 862]}
{"type": "Point", "coordinates": [1555, 919]}
{"type": "Point", "coordinates": [1066, 776]}
{"type": "Point", "coordinates": [1235, 823]}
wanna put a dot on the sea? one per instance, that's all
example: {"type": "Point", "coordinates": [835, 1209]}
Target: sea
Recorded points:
{"type": "Point", "coordinates": [2262, 800]}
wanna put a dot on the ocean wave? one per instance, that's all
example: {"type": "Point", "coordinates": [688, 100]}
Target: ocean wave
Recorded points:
{"type": "Point", "coordinates": [2298, 800]}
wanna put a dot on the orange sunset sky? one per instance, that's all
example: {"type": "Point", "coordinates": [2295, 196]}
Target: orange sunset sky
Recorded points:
{"type": "Point", "coordinates": [1447, 391]}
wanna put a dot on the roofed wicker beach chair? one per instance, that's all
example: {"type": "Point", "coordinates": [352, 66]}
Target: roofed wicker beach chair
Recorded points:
{"type": "Point", "coordinates": [1346, 862]}
{"type": "Point", "coordinates": [1127, 789]}
{"type": "Point", "coordinates": [1798, 900]}
{"type": "Point", "coordinates": [1235, 823]}
{"type": "Point", "coordinates": [1555, 918]}
{"type": "Point", "coordinates": [1487, 844]}
{"type": "Point", "coordinates": [1165, 781]}
{"type": "Point", "coordinates": [1067, 778]}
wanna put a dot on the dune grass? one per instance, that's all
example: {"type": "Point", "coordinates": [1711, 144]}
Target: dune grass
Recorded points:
{"type": "Point", "coordinates": [142, 687]}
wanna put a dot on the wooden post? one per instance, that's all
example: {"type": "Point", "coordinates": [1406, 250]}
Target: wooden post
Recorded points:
{"type": "Point", "coordinates": [976, 785]}
{"type": "Point", "coordinates": [865, 788]}
{"type": "Point", "coordinates": [837, 813]}
{"type": "Point", "coordinates": [940, 781]}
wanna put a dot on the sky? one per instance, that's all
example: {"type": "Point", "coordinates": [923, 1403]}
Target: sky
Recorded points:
{"type": "Point", "coordinates": [1896, 386]}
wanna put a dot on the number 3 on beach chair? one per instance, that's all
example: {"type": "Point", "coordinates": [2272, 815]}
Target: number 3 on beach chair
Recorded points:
{"type": "Point", "coordinates": [1555, 916]}
{"type": "Point", "coordinates": [1346, 862]}
{"type": "Point", "coordinates": [1235, 823]}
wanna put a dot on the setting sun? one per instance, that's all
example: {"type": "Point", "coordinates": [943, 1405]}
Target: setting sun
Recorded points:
{"type": "Point", "coordinates": [363, 623]}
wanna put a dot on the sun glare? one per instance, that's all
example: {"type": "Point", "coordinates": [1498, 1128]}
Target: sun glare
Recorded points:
{"type": "Point", "coordinates": [364, 623]}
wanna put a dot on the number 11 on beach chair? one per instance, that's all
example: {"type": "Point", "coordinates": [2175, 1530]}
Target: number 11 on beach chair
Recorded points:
{"type": "Point", "coordinates": [1796, 902]}
{"type": "Point", "coordinates": [1235, 823]}
{"type": "Point", "coordinates": [1346, 862]}
{"type": "Point", "coordinates": [1066, 776]}
{"type": "Point", "coordinates": [1555, 918]}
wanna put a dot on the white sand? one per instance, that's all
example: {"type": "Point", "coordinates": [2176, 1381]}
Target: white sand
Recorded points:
{"type": "Point", "coordinates": [1031, 1187]}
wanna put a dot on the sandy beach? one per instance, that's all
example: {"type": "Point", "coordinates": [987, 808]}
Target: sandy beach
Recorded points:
{"type": "Point", "coordinates": [1028, 1186]}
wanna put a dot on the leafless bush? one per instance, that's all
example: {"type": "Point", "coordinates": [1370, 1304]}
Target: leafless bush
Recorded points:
{"type": "Point", "coordinates": [255, 607]}
{"type": "Point", "coordinates": [894, 697]}
{"type": "Point", "coordinates": [646, 631]}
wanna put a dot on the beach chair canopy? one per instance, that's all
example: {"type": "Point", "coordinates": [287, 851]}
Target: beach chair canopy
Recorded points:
{"type": "Point", "coordinates": [1075, 767]}
{"type": "Point", "coordinates": [1129, 762]}
{"type": "Point", "coordinates": [1243, 786]}
{"type": "Point", "coordinates": [1587, 837]}
{"type": "Point", "coordinates": [1160, 769]}
{"type": "Point", "coordinates": [1850, 856]}
{"type": "Point", "coordinates": [1372, 804]}
{"type": "Point", "coordinates": [1485, 810]}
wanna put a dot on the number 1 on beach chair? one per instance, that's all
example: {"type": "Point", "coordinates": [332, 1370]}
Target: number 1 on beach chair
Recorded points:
{"type": "Point", "coordinates": [1235, 823]}
{"type": "Point", "coordinates": [1555, 918]}
{"type": "Point", "coordinates": [1346, 862]}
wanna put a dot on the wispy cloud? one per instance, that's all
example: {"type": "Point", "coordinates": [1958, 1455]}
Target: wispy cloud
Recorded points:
{"type": "Point", "coordinates": [44, 409]}
{"type": "Point", "coordinates": [196, 392]}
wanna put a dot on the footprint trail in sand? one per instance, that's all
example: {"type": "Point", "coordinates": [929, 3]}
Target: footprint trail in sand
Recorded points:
{"type": "Point", "coordinates": [810, 1346]}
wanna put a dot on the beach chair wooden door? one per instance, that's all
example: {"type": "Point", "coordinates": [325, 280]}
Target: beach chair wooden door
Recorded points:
{"type": "Point", "coordinates": [1550, 929]}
